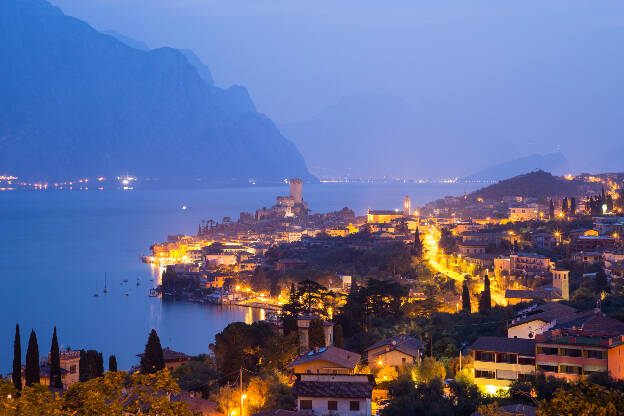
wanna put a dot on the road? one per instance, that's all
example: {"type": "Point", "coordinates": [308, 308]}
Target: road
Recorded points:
{"type": "Point", "coordinates": [431, 247]}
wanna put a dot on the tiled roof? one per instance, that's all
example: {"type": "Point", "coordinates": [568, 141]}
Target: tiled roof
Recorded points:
{"type": "Point", "coordinates": [334, 355]}
{"type": "Point", "coordinates": [596, 322]}
{"type": "Point", "coordinates": [500, 344]}
{"type": "Point", "coordinates": [531, 294]}
{"type": "Point", "coordinates": [338, 389]}
{"type": "Point", "coordinates": [404, 343]}
{"type": "Point", "coordinates": [547, 313]}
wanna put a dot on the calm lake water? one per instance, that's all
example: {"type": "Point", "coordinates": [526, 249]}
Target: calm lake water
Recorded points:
{"type": "Point", "coordinates": [55, 248]}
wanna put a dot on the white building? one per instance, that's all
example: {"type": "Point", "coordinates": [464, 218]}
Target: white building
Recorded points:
{"type": "Point", "coordinates": [340, 395]}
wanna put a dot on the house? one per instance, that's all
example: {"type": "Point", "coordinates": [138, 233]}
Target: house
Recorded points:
{"type": "Point", "coordinates": [529, 212]}
{"type": "Point", "coordinates": [382, 216]}
{"type": "Point", "coordinates": [529, 263]}
{"type": "Point", "coordinates": [396, 351]}
{"type": "Point", "coordinates": [593, 243]}
{"type": "Point", "coordinates": [472, 248]}
{"type": "Point", "coordinates": [341, 395]}
{"type": "Point", "coordinates": [326, 360]}
{"type": "Point", "coordinates": [537, 319]}
{"type": "Point", "coordinates": [173, 359]}
{"type": "Point", "coordinates": [593, 343]}
{"type": "Point", "coordinates": [589, 257]}
{"type": "Point", "coordinates": [499, 361]}
{"type": "Point", "coordinates": [543, 240]}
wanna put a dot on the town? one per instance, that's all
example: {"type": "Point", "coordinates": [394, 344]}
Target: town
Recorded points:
{"type": "Point", "coordinates": [502, 300]}
{"type": "Point", "coordinates": [505, 301]}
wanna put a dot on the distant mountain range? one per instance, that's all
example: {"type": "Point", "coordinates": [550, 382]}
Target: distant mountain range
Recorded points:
{"type": "Point", "coordinates": [553, 162]}
{"type": "Point", "coordinates": [79, 103]}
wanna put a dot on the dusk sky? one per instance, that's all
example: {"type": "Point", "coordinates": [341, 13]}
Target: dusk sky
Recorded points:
{"type": "Point", "coordinates": [535, 76]}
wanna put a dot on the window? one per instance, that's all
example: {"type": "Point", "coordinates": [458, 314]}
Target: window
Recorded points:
{"type": "Point", "coordinates": [571, 352]}
{"type": "Point", "coordinates": [484, 356]}
{"type": "Point", "coordinates": [549, 368]}
{"type": "Point", "coordinates": [601, 355]}
{"type": "Point", "coordinates": [404, 360]}
{"type": "Point", "coordinates": [72, 369]}
{"type": "Point", "coordinates": [571, 369]}
{"type": "Point", "coordinates": [484, 374]}
{"type": "Point", "coordinates": [354, 406]}
{"type": "Point", "coordinates": [332, 405]}
{"type": "Point", "coordinates": [547, 351]}
{"type": "Point", "coordinates": [526, 360]}
{"type": "Point", "coordinates": [305, 404]}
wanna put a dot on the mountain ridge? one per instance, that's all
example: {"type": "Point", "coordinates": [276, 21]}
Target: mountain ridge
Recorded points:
{"type": "Point", "coordinates": [81, 103]}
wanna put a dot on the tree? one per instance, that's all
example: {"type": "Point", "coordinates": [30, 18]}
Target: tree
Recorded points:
{"type": "Point", "coordinates": [83, 367]}
{"type": "Point", "coordinates": [338, 336]}
{"type": "Point", "coordinates": [32, 360]}
{"type": "Point", "coordinates": [564, 205]}
{"type": "Point", "coordinates": [584, 399]}
{"type": "Point", "coordinates": [112, 363]}
{"type": "Point", "coordinates": [485, 303]}
{"type": "Point", "coordinates": [447, 242]}
{"type": "Point", "coordinates": [316, 334]}
{"type": "Point", "coordinates": [153, 359]}
{"type": "Point", "coordinates": [17, 360]}
{"type": "Point", "coordinates": [466, 307]}
{"type": "Point", "coordinates": [55, 363]}
{"type": "Point", "coordinates": [428, 370]}
{"type": "Point", "coordinates": [417, 248]}
{"type": "Point", "coordinates": [572, 206]}
{"type": "Point", "coordinates": [423, 399]}
{"type": "Point", "coordinates": [601, 283]}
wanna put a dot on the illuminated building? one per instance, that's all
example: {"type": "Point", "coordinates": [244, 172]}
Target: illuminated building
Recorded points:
{"type": "Point", "coordinates": [500, 361]}
{"type": "Point", "coordinates": [327, 360]}
{"type": "Point", "coordinates": [398, 351]}
{"type": "Point", "coordinates": [382, 216]}
{"type": "Point", "coordinates": [591, 344]}
{"type": "Point", "coordinates": [528, 212]}
{"type": "Point", "coordinates": [339, 395]}
{"type": "Point", "coordinates": [407, 206]}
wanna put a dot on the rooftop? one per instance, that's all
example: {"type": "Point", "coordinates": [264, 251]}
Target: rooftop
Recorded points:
{"type": "Point", "coordinates": [547, 313]}
{"type": "Point", "coordinates": [338, 389]}
{"type": "Point", "coordinates": [403, 343]}
{"type": "Point", "coordinates": [331, 354]}
{"type": "Point", "coordinates": [500, 344]}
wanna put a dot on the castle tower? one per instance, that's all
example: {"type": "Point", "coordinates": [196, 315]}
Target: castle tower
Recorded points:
{"type": "Point", "coordinates": [407, 206]}
{"type": "Point", "coordinates": [296, 191]}
{"type": "Point", "coordinates": [561, 282]}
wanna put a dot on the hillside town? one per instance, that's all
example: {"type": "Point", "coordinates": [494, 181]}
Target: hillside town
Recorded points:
{"type": "Point", "coordinates": [545, 268]}
{"type": "Point", "coordinates": [501, 313]}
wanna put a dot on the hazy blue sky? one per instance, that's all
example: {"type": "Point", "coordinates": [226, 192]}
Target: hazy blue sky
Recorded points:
{"type": "Point", "coordinates": [539, 75]}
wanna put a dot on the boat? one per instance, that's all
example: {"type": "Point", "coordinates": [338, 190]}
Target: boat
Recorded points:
{"type": "Point", "coordinates": [125, 280]}
{"type": "Point", "coordinates": [127, 294]}
{"type": "Point", "coordinates": [105, 285]}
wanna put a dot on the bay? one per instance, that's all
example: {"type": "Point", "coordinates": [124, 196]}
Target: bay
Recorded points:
{"type": "Point", "coordinates": [56, 247]}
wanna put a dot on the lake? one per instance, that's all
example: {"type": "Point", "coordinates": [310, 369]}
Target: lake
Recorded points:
{"type": "Point", "coordinates": [56, 247]}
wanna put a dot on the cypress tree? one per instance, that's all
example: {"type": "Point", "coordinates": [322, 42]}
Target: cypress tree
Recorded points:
{"type": "Point", "coordinates": [153, 359]}
{"type": "Point", "coordinates": [55, 363]}
{"type": "Point", "coordinates": [83, 367]}
{"type": "Point", "coordinates": [112, 363]}
{"type": "Point", "coordinates": [32, 360]}
{"type": "Point", "coordinates": [316, 335]}
{"type": "Point", "coordinates": [572, 206]}
{"type": "Point", "coordinates": [338, 336]}
{"type": "Point", "coordinates": [17, 360]}
{"type": "Point", "coordinates": [466, 298]}
{"type": "Point", "coordinates": [418, 248]}
{"type": "Point", "coordinates": [485, 303]}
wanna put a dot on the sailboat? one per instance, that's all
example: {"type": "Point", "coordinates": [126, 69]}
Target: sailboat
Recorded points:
{"type": "Point", "coordinates": [96, 294]}
{"type": "Point", "coordinates": [105, 285]}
